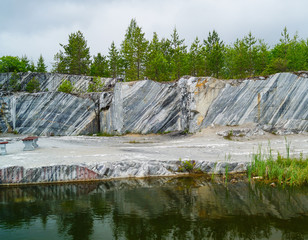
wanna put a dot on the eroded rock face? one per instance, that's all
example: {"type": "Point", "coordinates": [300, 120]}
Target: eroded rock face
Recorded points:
{"type": "Point", "coordinates": [50, 113]}
{"type": "Point", "coordinates": [279, 102]}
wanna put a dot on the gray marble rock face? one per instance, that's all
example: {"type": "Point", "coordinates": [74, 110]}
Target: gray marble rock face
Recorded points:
{"type": "Point", "coordinates": [52, 81]}
{"type": "Point", "coordinates": [108, 170]}
{"type": "Point", "coordinates": [281, 101]}
{"type": "Point", "coordinates": [278, 103]}
{"type": "Point", "coordinates": [50, 113]}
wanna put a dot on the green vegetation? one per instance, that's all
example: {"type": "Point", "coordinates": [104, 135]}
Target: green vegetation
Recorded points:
{"type": "Point", "coordinates": [96, 85]}
{"type": "Point", "coordinates": [188, 166]}
{"type": "Point", "coordinates": [170, 58]}
{"type": "Point", "coordinates": [282, 170]}
{"type": "Point", "coordinates": [41, 67]}
{"type": "Point", "coordinates": [76, 56]}
{"type": "Point", "coordinates": [99, 66]}
{"type": "Point", "coordinates": [16, 64]}
{"type": "Point", "coordinates": [226, 173]}
{"type": "Point", "coordinates": [14, 83]}
{"type": "Point", "coordinates": [33, 85]}
{"type": "Point", "coordinates": [66, 86]}
{"type": "Point", "coordinates": [104, 134]}
{"type": "Point", "coordinates": [229, 136]}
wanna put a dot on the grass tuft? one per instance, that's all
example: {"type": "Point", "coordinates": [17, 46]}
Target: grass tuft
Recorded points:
{"type": "Point", "coordinates": [283, 170]}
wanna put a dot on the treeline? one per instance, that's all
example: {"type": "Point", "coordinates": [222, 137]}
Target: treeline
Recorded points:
{"type": "Point", "coordinates": [169, 59]}
{"type": "Point", "coordinates": [23, 64]}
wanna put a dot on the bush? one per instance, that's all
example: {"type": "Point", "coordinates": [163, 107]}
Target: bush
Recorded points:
{"type": "Point", "coordinates": [66, 86]}
{"type": "Point", "coordinates": [14, 84]}
{"type": "Point", "coordinates": [33, 85]}
{"type": "Point", "coordinates": [96, 85]}
{"type": "Point", "coordinates": [188, 166]}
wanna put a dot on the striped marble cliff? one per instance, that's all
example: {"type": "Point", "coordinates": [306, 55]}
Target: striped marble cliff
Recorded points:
{"type": "Point", "coordinates": [190, 104]}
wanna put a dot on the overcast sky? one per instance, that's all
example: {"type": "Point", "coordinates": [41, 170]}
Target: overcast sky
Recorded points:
{"type": "Point", "coordinates": [34, 27]}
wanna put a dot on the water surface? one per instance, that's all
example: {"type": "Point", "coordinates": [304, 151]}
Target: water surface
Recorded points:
{"type": "Point", "coordinates": [160, 208]}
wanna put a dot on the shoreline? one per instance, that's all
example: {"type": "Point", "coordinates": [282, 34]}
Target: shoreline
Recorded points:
{"type": "Point", "coordinates": [84, 158]}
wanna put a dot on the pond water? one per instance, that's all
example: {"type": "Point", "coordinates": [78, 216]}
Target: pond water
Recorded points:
{"type": "Point", "coordinates": [159, 208]}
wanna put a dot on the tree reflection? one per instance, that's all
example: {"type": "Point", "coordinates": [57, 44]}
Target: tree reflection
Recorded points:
{"type": "Point", "coordinates": [189, 209]}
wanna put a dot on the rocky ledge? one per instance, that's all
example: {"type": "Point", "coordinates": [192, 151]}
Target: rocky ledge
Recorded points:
{"type": "Point", "coordinates": [277, 103]}
{"type": "Point", "coordinates": [108, 170]}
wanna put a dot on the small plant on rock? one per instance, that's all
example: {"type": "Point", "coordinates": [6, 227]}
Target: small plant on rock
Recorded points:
{"type": "Point", "coordinates": [33, 85]}
{"type": "Point", "coordinates": [229, 135]}
{"type": "Point", "coordinates": [66, 86]}
{"type": "Point", "coordinates": [188, 166]}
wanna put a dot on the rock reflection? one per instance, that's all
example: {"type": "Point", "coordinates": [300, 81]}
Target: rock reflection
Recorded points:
{"type": "Point", "coordinates": [165, 208]}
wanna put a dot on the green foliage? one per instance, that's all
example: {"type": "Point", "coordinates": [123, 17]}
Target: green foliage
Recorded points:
{"type": "Point", "coordinates": [196, 58]}
{"type": "Point", "coordinates": [169, 59]}
{"type": "Point", "coordinates": [99, 66]}
{"type": "Point", "coordinates": [14, 82]}
{"type": "Point", "coordinates": [66, 86]}
{"type": "Point", "coordinates": [229, 135]}
{"type": "Point", "coordinates": [283, 170]}
{"type": "Point", "coordinates": [226, 173]}
{"type": "Point", "coordinates": [33, 85]}
{"type": "Point", "coordinates": [133, 50]}
{"type": "Point", "coordinates": [96, 85]}
{"type": "Point", "coordinates": [214, 52]}
{"type": "Point", "coordinates": [76, 56]}
{"type": "Point", "coordinates": [188, 166]}
{"type": "Point", "coordinates": [104, 134]}
{"type": "Point", "coordinates": [115, 61]}
{"type": "Point", "coordinates": [178, 56]}
{"type": "Point", "coordinates": [15, 64]}
{"type": "Point", "coordinates": [156, 63]}
{"type": "Point", "coordinates": [41, 67]}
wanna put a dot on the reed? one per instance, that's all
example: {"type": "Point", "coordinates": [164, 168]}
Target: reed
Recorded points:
{"type": "Point", "coordinates": [283, 170]}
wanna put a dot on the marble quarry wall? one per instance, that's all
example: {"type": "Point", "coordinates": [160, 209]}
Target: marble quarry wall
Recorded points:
{"type": "Point", "coordinates": [190, 104]}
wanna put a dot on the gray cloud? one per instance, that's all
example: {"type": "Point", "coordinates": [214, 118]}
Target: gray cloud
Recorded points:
{"type": "Point", "coordinates": [35, 27]}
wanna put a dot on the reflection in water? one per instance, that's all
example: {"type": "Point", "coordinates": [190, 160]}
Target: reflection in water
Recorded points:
{"type": "Point", "coordinates": [183, 208]}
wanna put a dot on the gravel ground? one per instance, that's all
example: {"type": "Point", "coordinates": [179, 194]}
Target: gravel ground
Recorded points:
{"type": "Point", "coordinates": [205, 145]}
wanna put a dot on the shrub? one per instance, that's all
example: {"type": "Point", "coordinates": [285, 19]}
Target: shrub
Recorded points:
{"type": "Point", "coordinates": [96, 85]}
{"type": "Point", "coordinates": [188, 166]}
{"type": "Point", "coordinates": [14, 84]}
{"type": "Point", "coordinates": [33, 85]}
{"type": "Point", "coordinates": [66, 86]}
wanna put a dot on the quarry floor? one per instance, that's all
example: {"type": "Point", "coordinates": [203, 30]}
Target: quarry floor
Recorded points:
{"type": "Point", "coordinates": [204, 145]}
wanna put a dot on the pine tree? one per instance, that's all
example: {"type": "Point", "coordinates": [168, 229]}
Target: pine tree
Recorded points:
{"type": "Point", "coordinates": [133, 50]}
{"type": "Point", "coordinates": [214, 51]}
{"type": "Point", "coordinates": [99, 66]}
{"type": "Point", "coordinates": [156, 64]}
{"type": "Point", "coordinates": [178, 53]}
{"type": "Point", "coordinates": [114, 61]}
{"type": "Point", "coordinates": [76, 56]}
{"type": "Point", "coordinates": [196, 59]}
{"type": "Point", "coordinates": [61, 63]}
{"type": "Point", "coordinates": [252, 49]}
{"type": "Point", "coordinates": [262, 59]}
{"type": "Point", "coordinates": [41, 67]}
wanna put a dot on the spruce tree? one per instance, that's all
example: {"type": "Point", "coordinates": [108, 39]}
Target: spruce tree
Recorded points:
{"type": "Point", "coordinates": [156, 64]}
{"type": "Point", "coordinates": [252, 49]}
{"type": "Point", "coordinates": [41, 67]}
{"type": "Point", "coordinates": [214, 51]}
{"type": "Point", "coordinates": [76, 56]}
{"type": "Point", "coordinates": [133, 51]}
{"type": "Point", "coordinates": [178, 53]}
{"type": "Point", "coordinates": [99, 66]}
{"type": "Point", "coordinates": [196, 59]}
{"type": "Point", "coordinates": [114, 61]}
